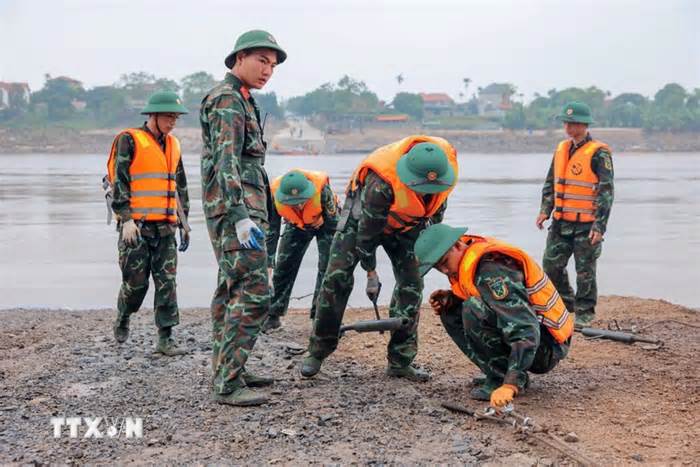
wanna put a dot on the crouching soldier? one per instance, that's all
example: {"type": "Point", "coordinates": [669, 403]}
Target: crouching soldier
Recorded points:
{"type": "Point", "coordinates": [503, 312]}
{"type": "Point", "coordinates": [393, 194]}
{"type": "Point", "coordinates": [149, 190]}
{"type": "Point", "coordinates": [306, 202]}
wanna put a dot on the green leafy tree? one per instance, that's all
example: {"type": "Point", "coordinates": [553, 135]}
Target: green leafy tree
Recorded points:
{"type": "Point", "coordinates": [347, 97]}
{"type": "Point", "coordinates": [671, 96]}
{"type": "Point", "coordinates": [408, 103]}
{"type": "Point", "coordinates": [515, 118]}
{"type": "Point", "coordinates": [59, 95]}
{"type": "Point", "coordinates": [108, 105]}
{"type": "Point", "coordinates": [268, 104]}
{"type": "Point", "coordinates": [194, 87]}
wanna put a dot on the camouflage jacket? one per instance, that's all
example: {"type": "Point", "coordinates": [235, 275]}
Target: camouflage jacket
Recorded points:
{"type": "Point", "coordinates": [501, 284]}
{"type": "Point", "coordinates": [330, 213]}
{"type": "Point", "coordinates": [234, 181]}
{"type": "Point", "coordinates": [602, 166]}
{"type": "Point", "coordinates": [121, 189]}
{"type": "Point", "coordinates": [376, 197]}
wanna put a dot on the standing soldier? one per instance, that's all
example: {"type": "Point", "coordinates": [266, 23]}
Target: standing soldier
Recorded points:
{"type": "Point", "coordinates": [236, 200]}
{"type": "Point", "coordinates": [392, 196]}
{"type": "Point", "coordinates": [305, 200]}
{"type": "Point", "coordinates": [503, 312]}
{"type": "Point", "coordinates": [579, 190]}
{"type": "Point", "coordinates": [149, 190]}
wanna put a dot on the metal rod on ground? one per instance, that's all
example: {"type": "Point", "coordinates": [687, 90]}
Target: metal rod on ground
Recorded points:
{"type": "Point", "coordinates": [528, 429]}
{"type": "Point", "coordinates": [617, 336]}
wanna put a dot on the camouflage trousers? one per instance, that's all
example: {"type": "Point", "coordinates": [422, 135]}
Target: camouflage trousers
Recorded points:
{"type": "Point", "coordinates": [156, 256]}
{"type": "Point", "coordinates": [292, 248]}
{"type": "Point", "coordinates": [561, 244]}
{"type": "Point", "coordinates": [483, 342]}
{"type": "Point", "coordinates": [239, 306]}
{"type": "Point", "coordinates": [337, 285]}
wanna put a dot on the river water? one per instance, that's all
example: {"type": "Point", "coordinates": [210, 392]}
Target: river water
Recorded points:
{"type": "Point", "coordinates": [57, 251]}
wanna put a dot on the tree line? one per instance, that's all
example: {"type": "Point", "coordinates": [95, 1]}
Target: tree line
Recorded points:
{"type": "Point", "coordinates": [64, 101]}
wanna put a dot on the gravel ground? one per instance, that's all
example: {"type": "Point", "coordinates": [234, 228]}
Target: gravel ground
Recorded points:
{"type": "Point", "coordinates": [617, 403]}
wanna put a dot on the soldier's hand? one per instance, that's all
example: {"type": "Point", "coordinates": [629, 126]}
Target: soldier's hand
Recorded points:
{"type": "Point", "coordinates": [131, 234]}
{"type": "Point", "coordinates": [595, 237]}
{"type": "Point", "coordinates": [184, 240]}
{"type": "Point", "coordinates": [540, 220]}
{"type": "Point", "coordinates": [373, 286]}
{"type": "Point", "coordinates": [440, 300]}
{"type": "Point", "coordinates": [249, 235]}
{"type": "Point", "coordinates": [503, 396]}
{"type": "Point", "coordinates": [318, 223]}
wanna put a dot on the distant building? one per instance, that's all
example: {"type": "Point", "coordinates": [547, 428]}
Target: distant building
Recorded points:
{"type": "Point", "coordinates": [11, 93]}
{"type": "Point", "coordinates": [494, 99]}
{"type": "Point", "coordinates": [391, 119]}
{"type": "Point", "coordinates": [437, 104]}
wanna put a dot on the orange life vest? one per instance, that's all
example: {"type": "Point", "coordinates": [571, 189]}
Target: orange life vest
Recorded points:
{"type": "Point", "coordinates": [543, 297]}
{"type": "Point", "coordinates": [312, 210]}
{"type": "Point", "coordinates": [153, 187]}
{"type": "Point", "coordinates": [575, 183]}
{"type": "Point", "coordinates": [408, 208]}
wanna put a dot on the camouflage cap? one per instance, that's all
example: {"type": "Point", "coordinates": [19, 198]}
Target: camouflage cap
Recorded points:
{"type": "Point", "coordinates": [425, 169]}
{"type": "Point", "coordinates": [433, 243]}
{"type": "Point", "coordinates": [164, 102]}
{"type": "Point", "coordinates": [576, 112]}
{"type": "Point", "coordinates": [295, 188]}
{"type": "Point", "coordinates": [255, 39]}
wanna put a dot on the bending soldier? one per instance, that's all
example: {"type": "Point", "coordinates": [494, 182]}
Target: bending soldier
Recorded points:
{"type": "Point", "coordinates": [306, 202]}
{"type": "Point", "coordinates": [394, 193]}
{"type": "Point", "coordinates": [502, 311]}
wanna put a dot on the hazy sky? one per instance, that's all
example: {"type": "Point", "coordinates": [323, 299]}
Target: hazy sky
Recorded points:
{"type": "Point", "coordinates": [617, 45]}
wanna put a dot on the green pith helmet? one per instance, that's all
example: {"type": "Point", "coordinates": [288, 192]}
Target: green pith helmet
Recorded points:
{"type": "Point", "coordinates": [164, 102]}
{"type": "Point", "coordinates": [576, 112]}
{"type": "Point", "coordinates": [425, 169]}
{"type": "Point", "coordinates": [295, 188]}
{"type": "Point", "coordinates": [433, 243]}
{"type": "Point", "coordinates": [255, 39]}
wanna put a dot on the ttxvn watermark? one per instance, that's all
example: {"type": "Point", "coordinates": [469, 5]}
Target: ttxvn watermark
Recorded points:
{"type": "Point", "coordinates": [97, 427]}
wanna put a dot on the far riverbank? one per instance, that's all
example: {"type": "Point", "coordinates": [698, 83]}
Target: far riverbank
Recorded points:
{"type": "Point", "coordinates": [65, 140]}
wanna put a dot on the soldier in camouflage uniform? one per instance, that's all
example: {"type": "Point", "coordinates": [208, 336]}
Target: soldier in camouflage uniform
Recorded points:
{"type": "Point", "coordinates": [580, 198]}
{"type": "Point", "coordinates": [417, 171]}
{"type": "Point", "coordinates": [236, 201]}
{"type": "Point", "coordinates": [491, 313]}
{"type": "Point", "coordinates": [308, 213]}
{"type": "Point", "coordinates": [147, 243]}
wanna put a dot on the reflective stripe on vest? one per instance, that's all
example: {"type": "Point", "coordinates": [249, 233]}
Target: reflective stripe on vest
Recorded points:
{"type": "Point", "coordinates": [575, 183]}
{"type": "Point", "coordinates": [408, 208]}
{"type": "Point", "coordinates": [156, 175]}
{"type": "Point", "coordinates": [160, 211]}
{"type": "Point", "coordinates": [543, 297]}
{"type": "Point", "coordinates": [152, 176]}
{"type": "Point", "coordinates": [312, 210]}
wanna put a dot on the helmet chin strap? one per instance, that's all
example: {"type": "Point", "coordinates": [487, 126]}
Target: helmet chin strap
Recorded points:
{"type": "Point", "coordinates": [160, 132]}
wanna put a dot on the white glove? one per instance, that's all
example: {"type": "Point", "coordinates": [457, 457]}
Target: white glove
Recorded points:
{"type": "Point", "coordinates": [249, 235]}
{"type": "Point", "coordinates": [131, 234]}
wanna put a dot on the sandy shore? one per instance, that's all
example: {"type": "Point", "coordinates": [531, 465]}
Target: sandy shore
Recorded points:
{"type": "Point", "coordinates": [625, 403]}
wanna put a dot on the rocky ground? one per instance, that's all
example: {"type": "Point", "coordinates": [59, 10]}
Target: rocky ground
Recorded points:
{"type": "Point", "coordinates": [617, 403]}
